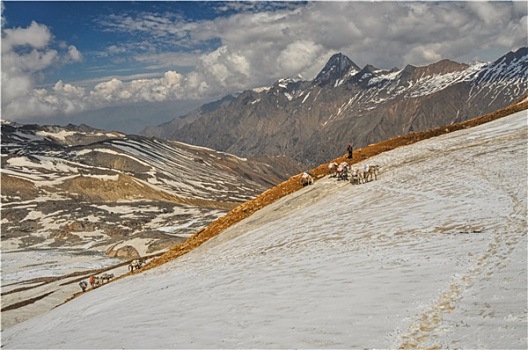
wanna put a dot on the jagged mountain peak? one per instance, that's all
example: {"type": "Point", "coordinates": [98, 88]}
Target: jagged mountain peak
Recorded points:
{"type": "Point", "coordinates": [414, 73]}
{"type": "Point", "coordinates": [509, 68]}
{"type": "Point", "coordinates": [521, 53]}
{"type": "Point", "coordinates": [336, 70]}
{"type": "Point", "coordinates": [369, 69]}
{"type": "Point", "coordinates": [364, 76]}
{"type": "Point", "coordinates": [339, 59]}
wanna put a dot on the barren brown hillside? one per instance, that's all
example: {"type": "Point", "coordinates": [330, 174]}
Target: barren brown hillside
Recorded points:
{"type": "Point", "coordinates": [126, 187]}
{"type": "Point", "coordinates": [293, 184]}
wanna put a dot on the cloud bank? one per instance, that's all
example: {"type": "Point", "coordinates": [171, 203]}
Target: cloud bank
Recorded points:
{"type": "Point", "coordinates": [249, 47]}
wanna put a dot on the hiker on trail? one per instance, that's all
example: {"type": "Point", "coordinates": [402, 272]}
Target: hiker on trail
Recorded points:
{"type": "Point", "coordinates": [349, 150]}
{"type": "Point", "coordinates": [83, 285]}
{"type": "Point", "coordinates": [92, 280]}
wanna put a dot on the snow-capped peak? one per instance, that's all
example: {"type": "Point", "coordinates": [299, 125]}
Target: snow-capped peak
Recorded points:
{"type": "Point", "coordinates": [336, 70]}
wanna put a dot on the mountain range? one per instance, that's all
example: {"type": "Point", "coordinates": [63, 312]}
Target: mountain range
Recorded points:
{"type": "Point", "coordinates": [124, 195]}
{"type": "Point", "coordinates": [313, 121]}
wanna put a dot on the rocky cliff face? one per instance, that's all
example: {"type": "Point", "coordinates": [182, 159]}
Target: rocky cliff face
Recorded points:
{"type": "Point", "coordinates": [313, 121]}
{"type": "Point", "coordinates": [76, 187]}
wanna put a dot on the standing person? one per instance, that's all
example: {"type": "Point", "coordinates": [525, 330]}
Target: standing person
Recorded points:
{"type": "Point", "coordinates": [349, 149]}
{"type": "Point", "coordinates": [92, 281]}
{"type": "Point", "coordinates": [83, 285]}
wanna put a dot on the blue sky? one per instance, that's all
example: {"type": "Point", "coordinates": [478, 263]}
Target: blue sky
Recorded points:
{"type": "Point", "coordinates": [126, 65]}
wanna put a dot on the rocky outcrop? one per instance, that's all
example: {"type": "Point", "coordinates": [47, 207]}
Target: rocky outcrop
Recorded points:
{"type": "Point", "coordinates": [126, 252]}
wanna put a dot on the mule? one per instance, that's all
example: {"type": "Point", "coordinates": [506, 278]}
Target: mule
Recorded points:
{"type": "Point", "coordinates": [342, 171]}
{"type": "Point", "coordinates": [106, 277]}
{"type": "Point", "coordinates": [356, 176]}
{"type": "Point", "coordinates": [370, 172]}
{"type": "Point", "coordinates": [135, 265]}
{"type": "Point", "coordinates": [306, 179]}
{"type": "Point", "coordinates": [332, 169]}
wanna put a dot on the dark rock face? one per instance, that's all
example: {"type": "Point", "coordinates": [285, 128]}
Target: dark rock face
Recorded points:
{"type": "Point", "coordinates": [338, 68]}
{"type": "Point", "coordinates": [313, 121]}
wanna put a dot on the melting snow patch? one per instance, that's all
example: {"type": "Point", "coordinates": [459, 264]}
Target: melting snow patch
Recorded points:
{"type": "Point", "coordinates": [104, 177]}
{"type": "Point", "coordinates": [305, 97]}
{"type": "Point", "coordinates": [60, 135]}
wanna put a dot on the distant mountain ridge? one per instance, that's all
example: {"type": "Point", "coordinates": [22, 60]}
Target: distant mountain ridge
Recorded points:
{"type": "Point", "coordinates": [313, 121]}
{"type": "Point", "coordinates": [178, 123]}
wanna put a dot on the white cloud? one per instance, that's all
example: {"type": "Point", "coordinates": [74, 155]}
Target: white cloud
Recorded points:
{"type": "Point", "coordinates": [26, 52]}
{"type": "Point", "coordinates": [36, 35]}
{"type": "Point", "coordinates": [426, 53]}
{"type": "Point", "coordinates": [68, 89]}
{"type": "Point", "coordinates": [298, 55]}
{"type": "Point", "coordinates": [488, 13]}
{"type": "Point", "coordinates": [225, 68]}
{"type": "Point", "coordinates": [74, 54]}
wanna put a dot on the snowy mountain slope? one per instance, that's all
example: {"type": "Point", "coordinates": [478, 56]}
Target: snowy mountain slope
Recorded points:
{"type": "Point", "coordinates": [432, 254]}
{"type": "Point", "coordinates": [312, 121]}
